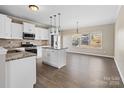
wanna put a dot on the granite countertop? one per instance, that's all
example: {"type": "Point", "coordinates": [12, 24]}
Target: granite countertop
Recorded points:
{"type": "Point", "coordinates": [55, 48]}
{"type": "Point", "coordinates": [15, 56]}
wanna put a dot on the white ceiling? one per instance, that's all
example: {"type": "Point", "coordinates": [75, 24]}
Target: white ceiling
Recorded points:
{"type": "Point", "coordinates": [87, 15]}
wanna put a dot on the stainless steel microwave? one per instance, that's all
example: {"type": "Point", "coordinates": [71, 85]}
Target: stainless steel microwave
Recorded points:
{"type": "Point", "coordinates": [28, 36]}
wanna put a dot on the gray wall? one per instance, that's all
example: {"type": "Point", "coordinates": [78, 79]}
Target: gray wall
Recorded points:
{"type": "Point", "coordinates": [119, 42]}
{"type": "Point", "coordinates": [107, 40]}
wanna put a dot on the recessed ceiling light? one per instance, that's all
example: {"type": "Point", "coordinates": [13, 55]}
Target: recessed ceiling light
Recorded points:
{"type": "Point", "coordinates": [34, 7]}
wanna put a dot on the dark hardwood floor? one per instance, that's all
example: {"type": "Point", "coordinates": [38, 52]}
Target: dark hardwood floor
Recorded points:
{"type": "Point", "coordinates": [81, 71]}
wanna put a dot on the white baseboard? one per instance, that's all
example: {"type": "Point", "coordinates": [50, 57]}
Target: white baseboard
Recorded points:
{"type": "Point", "coordinates": [92, 54]}
{"type": "Point", "coordinates": [122, 78]}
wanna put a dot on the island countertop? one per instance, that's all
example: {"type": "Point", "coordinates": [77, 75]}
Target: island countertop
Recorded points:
{"type": "Point", "coordinates": [20, 55]}
{"type": "Point", "coordinates": [47, 47]}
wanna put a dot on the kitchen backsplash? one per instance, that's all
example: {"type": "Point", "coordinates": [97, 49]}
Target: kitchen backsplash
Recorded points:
{"type": "Point", "coordinates": [9, 43]}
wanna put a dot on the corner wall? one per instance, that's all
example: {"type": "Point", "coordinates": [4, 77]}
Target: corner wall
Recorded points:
{"type": "Point", "coordinates": [119, 42]}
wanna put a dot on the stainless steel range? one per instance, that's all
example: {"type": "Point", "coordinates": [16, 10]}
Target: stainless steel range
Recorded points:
{"type": "Point", "coordinates": [31, 49]}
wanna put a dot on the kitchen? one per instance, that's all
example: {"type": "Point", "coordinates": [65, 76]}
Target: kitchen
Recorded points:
{"type": "Point", "coordinates": [23, 42]}
{"type": "Point", "coordinates": [51, 46]}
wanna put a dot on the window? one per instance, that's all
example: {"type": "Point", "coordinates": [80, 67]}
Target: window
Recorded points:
{"type": "Point", "coordinates": [96, 40]}
{"type": "Point", "coordinates": [89, 40]}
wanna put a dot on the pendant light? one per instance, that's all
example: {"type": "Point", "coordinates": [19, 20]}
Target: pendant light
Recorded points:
{"type": "Point", "coordinates": [59, 28]}
{"type": "Point", "coordinates": [77, 28]}
{"type": "Point", "coordinates": [54, 23]}
{"type": "Point", "coordinates": [51, 24]}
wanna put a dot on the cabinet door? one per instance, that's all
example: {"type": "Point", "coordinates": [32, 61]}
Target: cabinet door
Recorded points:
{"type": "Point", "coordinates": [37, 33]}
{"type": "Point", "coordinates": [16, 31]}
{"type": "Point", "coordinates": [2, 33]}
{"type": "Point", "coordinates": [44, 34]}
{"type": "Point", "coordinates": [39, 51]}
{"type": "Point", "coordinates": [21, 73]}
{"type": "Point", "coordinates": [8, 28]}
{"type": "Point", "coordinates": [29, 28]}
{"type": "Point", "coordinates": [44, 54]}
{"type": "Point", "coordinates": [5, 27]}
{"type": "Point", "coordinates": [41, 34]}
{"type": "Point", "coordinates": [53, 58]}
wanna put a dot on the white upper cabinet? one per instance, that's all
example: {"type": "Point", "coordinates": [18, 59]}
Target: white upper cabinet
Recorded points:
{"type": "Point", "coordinates": [2, 21]}
{"type": "Point", "coordinates": [8, 27]}
{"type": "Point", "coordinates": [37, 35]}
{"type": "Point", "coordinates": [41, 33]}
{"type": "Point", "coordinates": [45, 34]}
{"type": "Point", "coordinates": [28, 28]}
{"type": "Point", "coordinates": [9, 30]}
{"type": "Point", "coordinates": [5, 27]}
{"type": "Point", "coordinates": [17, 30]}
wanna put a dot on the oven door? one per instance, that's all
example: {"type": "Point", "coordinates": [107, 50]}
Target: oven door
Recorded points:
{"type": "Point", "coordinates": [31, 50]}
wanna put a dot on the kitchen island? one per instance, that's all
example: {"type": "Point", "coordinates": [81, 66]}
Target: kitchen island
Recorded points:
{"type": "Point", "coordinates": [54, 57]}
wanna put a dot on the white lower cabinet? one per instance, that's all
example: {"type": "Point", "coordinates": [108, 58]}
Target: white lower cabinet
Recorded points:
{"type": "Point", "coordinates": [39, 51]}
{"type": "Point", "coordinates": [45, 55]}
{"type": "Point", "coordinates": [21, 73]}
{"type": "Point", "coordinates": [54, 57]}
